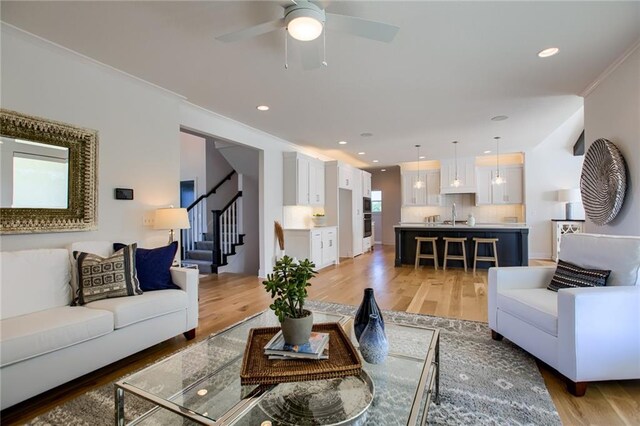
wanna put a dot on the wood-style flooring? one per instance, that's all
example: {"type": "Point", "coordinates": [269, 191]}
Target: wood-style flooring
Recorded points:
{"type": "Point", "coordinates": [229, 298]}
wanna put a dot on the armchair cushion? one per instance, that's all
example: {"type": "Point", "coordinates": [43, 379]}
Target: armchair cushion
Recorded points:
{"type": "Point", "coordinates": [568, 275]}
{"type": "Point", "coordinates": [535, 306]}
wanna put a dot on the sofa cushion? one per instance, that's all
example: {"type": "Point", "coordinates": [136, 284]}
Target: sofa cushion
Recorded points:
{"type": "Point", "coordinates": [568, 275]}
{"type": "Point", "coordinates": [619, 254]}
{"type": "Point", "coordinates": [101, 248]}
{"type": "Point", "coordinates": [130, 310]}
{"type": "Point", "coordinates": [153, 266]}
{"type": "Point", "coordinates": [106, 277]}
{"type": "Point", "coordinates": [535, 306]}
{"type": "Point", "coordinates": [33, 280]}
{"type": "Point", "coordinates": [28, 336]}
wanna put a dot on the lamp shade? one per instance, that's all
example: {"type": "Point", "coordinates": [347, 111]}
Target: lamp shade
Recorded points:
{"type": "Point", "coordinates": [171, 218]}
{"type": "Point", "coordinates": [569, 195]}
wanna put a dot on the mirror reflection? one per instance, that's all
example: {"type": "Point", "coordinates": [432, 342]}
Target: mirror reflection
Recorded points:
{"type": "Point", "coordinates": [33, 174]}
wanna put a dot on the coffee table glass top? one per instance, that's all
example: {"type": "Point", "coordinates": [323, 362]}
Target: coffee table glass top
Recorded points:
{"type": "Point", "coordinates": [203, 381]}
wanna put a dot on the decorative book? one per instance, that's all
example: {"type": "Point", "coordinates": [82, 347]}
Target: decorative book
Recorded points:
{"type": "Point", "coordinates": [343, 360]}
{"type": "Point", "coordinates": [313, 349]}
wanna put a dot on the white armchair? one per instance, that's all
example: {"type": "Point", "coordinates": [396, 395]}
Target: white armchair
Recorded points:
{"type": "Point", "coordinates": [587, 334]}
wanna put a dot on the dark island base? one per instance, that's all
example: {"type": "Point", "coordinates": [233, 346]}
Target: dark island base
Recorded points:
{"type": "Point", "coordinates": [512, 245]}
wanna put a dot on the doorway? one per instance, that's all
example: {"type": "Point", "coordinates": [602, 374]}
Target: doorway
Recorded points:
{"type": "Point", "coordinates": [187, 193]}
{"type": "Point", "coordinates": [376, 214]}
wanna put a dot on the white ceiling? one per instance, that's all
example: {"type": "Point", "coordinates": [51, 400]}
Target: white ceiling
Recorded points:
{"type": "Point", "coordinates": [452, 67]}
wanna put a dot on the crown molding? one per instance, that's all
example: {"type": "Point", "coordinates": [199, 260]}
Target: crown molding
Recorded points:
{"type": "Point", "coordinates": [609, 70]}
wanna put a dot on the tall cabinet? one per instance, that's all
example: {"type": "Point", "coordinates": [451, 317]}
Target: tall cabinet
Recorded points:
{"type": "Point", "coordinates": [345, 186]}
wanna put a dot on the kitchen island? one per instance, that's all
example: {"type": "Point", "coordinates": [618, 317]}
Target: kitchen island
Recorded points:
{"type": "Point", "coordinates": [512, 243]}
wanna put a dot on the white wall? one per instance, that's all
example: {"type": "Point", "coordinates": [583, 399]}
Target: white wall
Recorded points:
{"type": "Point", "coordinates": [137, 127]}
{"type": "Point", "coordinates": [612, 111]}
{"type": "Point", "coordinates": [550, 166]}
{"type": "Point", "coordinates": [192, 161]}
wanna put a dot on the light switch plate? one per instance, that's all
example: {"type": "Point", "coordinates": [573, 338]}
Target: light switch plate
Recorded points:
{"type": "Point", "coordinates": [147, 219]}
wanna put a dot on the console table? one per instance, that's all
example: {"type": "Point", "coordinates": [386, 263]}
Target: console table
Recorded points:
{"type": "Point", "coordinates": [561, 227]}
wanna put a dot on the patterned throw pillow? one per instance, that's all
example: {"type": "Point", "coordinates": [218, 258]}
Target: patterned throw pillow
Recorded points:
{"type": "Point", "coordinates": [106, 277]}
{"type": "Point", "coordinates": [568, 275]}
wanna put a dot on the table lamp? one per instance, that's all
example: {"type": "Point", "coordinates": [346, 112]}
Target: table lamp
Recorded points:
{"type": "Point", "coordinates": [171, 218]}
{"type": "Point", "coordinates": [571, 197]}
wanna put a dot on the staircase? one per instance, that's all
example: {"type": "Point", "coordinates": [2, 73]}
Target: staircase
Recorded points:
{"type": "Point", "coordinates": [210, 243]}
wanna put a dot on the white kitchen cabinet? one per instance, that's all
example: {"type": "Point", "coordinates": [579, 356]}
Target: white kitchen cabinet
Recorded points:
{"type": "Point", "coordinates": [358, 214]}
{"type": "Point", "coordinates": [303, 180]}
{"type": "Point", "coordinates": [345, 176]}
{"type": "Point", "coordinates": [510, 192]}
{"type": "Point", "coordinates": [466, 175]}
{"type": "Point", "coordinates": [427, 195]}
{"type": "Point", "coordinates": [366, 184]}
{"type": "Point", "coordinates": [317, 244]}
{"type": "Point", "coordinates": [316, 182]}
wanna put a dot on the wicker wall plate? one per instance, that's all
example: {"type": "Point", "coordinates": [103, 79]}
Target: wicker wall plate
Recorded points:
{"type": "Point", "coordinates": [603, 182]}
{"type": "Point", "coordinates": [257, 368]}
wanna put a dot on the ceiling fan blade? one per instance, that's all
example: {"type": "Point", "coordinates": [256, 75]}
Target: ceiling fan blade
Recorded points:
{"type": "Point", "coordinates": [310, 55]}
{"type": "Point", "coordinates": [250, 32]}
{"type": "Point", "coordinates": [361, 27]}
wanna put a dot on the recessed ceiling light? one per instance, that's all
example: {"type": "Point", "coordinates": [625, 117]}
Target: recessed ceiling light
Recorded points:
{"type": "Point", "coordinates": [361, 153]}
{"type": "Point", "coordinates": [376, 161]}
{"type": "Point", "coordinates": [488, 151]}
{"type": "Point", "coordinates": [202, 392]}
{"type": "Point", "coordinates": [422, 157]}
{"type": "Point", "coordinates": [383, 170]}
{"type": "Point", "coordinates": [548, 52]}
{"type": "Point", "coordinates": [262, 108]}
{"type": "Point", "coordinates": [342, 142]}
{"type": "Point", "coordinates": [366, 134]}
{"type": "Point", "coordinates": [499, 118]}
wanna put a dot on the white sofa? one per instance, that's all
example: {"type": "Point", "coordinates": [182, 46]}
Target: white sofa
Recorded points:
{"type": "Point", "coordinates": [587, 334]}
{"type": "Point", "coordinates": [45, 342]}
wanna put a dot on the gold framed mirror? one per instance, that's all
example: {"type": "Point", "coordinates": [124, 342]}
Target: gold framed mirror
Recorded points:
{"type": "Point", "coordinates": [48, 175]}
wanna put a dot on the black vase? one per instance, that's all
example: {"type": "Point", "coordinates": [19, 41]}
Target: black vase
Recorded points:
{"type": "Point", "coordinates": [367, 307]}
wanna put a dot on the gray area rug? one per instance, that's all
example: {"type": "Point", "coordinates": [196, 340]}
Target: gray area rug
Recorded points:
{"type": "Point", "coordinates": [482, 382]}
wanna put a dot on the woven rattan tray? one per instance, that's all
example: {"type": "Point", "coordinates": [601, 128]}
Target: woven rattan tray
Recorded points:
{"type": "Point", "coordinates": [257, 368]}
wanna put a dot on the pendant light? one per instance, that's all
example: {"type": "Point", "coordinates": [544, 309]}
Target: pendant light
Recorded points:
{"type": "Point", "coordinates": [418, 184]}
{"type": "Point", "coordinates": [456, 181]}
{"type": "Point", "coordinates": [497, 180]}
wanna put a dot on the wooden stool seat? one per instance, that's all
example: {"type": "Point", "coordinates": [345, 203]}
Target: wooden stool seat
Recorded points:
{"type": "Point", "coordinates": [433, 255]}
{"type": "Point", "coordinates": [448, 256]}
{"type": "Point", "coordinates": [477, 258]}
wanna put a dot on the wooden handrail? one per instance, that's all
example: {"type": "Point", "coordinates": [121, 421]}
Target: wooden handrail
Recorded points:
{"type": "Point", "coordinates": [212, 191]}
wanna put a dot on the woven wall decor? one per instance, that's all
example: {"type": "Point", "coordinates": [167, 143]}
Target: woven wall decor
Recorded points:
{"type": "Point", "coordinates": [603, 182]}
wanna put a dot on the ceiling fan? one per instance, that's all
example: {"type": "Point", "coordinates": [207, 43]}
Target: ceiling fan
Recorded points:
{"type": "Point", "coordinates": [305, 21]}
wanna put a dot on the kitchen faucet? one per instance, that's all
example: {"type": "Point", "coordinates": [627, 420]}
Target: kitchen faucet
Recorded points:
{"type": "Point", "coordinates": [453, 214]}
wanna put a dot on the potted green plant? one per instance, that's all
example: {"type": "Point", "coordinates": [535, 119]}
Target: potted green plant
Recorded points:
{"type": "Point", "coordinates": [288, 287]}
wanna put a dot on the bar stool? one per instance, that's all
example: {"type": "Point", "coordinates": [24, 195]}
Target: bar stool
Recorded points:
{"type": "Point", "coordinates": [493, 258]}
{"type": "Point", "coordinates": [462, 241]}
{"type": "Point", "coordinates": [420, 255]}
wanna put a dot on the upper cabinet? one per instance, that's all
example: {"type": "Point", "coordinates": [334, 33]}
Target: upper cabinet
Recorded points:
{"type": "Point", "coordinates": [366, 184]}
{"type": "Point", "coordinates": [303, 180]}
{"type": "Point", "coordinates": [510, 192]}
{"type": "Point", "coordinates": [345, 176]}
{"type": "Point", "coordinates": [466, 175]}
{"type": "Point", "coordinates": [428, 194]}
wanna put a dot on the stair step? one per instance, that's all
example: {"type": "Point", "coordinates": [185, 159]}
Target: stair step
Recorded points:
{"type": "Point", "coordinates": [204, 245]}
{"type": "Point", "coordinates": [204, 266]}
{"type": "Point", "coordinates": [200, 255]}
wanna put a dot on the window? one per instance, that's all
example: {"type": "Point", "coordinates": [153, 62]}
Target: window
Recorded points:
{"type": "Point", "coordinates": [376, 201]}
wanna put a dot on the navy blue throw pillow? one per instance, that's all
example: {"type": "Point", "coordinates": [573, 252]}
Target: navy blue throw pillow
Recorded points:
{"type": "Point", "coordinates": [152, 266]}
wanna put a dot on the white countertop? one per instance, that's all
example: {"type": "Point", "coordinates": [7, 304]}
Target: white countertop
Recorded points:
{"type": "Point", "coordinates": [428, 225]}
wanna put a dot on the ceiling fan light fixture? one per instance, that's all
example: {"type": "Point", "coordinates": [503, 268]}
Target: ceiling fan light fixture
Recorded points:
{"type": "Point", "coordinates": [304, 21]}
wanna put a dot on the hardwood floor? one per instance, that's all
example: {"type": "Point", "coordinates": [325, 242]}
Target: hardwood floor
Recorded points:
{"type": "Point", "coordinates": [229, 298]}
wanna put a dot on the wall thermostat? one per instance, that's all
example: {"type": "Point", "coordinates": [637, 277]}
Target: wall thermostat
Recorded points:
{"type": "Point", "coordinates": [124, 194]}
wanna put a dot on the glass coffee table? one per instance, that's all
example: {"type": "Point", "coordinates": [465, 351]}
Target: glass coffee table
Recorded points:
{"type": "Point", "coordinates": [201, 384]}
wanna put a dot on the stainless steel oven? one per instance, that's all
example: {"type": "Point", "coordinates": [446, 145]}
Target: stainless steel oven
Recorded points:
{"type": "Point", "coordinates": [366, 205]}
{"type": "Point", "coordinates": [367, 225]}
